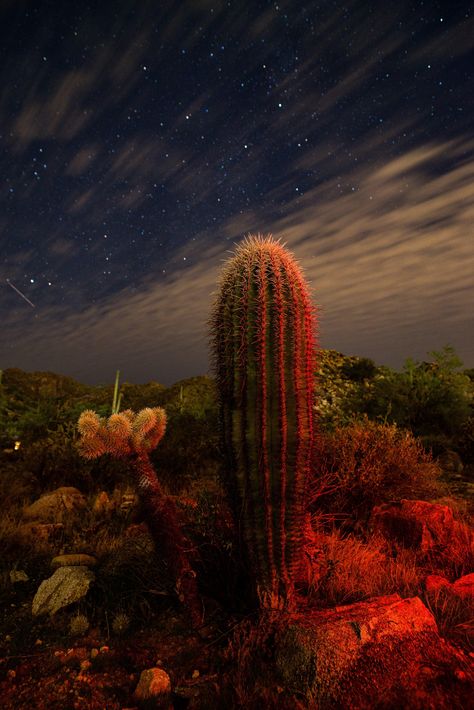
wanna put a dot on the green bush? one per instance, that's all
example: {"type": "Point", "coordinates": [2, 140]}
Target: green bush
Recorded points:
{"type": "Point", "coordinates": [429, 398]}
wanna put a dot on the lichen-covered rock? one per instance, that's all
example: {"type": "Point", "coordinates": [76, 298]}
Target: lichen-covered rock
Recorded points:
{"type": "Point", "coordinates": [154, 687]}
{"type": "Point", "coordinates": [55, 506]}
{"type": "Point", "coordinates": [368, 652]}
{"type": "Point", "coordinates": [65, 586]}
{"type": "Point", "coordinates": [421, 525]}
{"type": "Point", "coordinates": [73, 560]}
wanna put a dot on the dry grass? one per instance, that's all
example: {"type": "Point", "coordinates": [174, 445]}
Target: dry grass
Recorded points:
{"type": "Point", "coordinates": [350, 570]}
{"type": "Point", "coordinates": [454, 616]}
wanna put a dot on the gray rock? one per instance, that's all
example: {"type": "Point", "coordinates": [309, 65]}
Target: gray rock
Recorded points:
{"type": "Point", "coordinates": [65, 586]}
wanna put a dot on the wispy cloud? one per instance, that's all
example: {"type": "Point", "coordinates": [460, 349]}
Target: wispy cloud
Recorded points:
{"type": "Point", "coordinates": [391, 265]}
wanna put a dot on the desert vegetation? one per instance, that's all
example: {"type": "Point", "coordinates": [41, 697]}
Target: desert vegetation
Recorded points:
{"type": "Point", "coordinates": [259, 551]}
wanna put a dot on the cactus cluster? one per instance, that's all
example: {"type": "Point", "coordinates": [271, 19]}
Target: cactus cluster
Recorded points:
{"type": "Point", "coordinates": [133, 436]}
{"type": "Point", "coordinates": [263, 346]}
{"type": "Point", "coordinates": [122, 434]}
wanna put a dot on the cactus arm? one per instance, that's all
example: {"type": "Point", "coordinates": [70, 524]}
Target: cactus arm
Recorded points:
{"type": "Point", "coordinates": [165, 528]}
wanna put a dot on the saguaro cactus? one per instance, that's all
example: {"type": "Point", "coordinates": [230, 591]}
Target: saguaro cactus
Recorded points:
{"type": "Point", "coordinates": [263, 346]}
{"type": "Point", "coordinates": [131, 435]}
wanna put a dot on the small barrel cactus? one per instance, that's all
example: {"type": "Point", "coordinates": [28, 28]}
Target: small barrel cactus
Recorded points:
{"type": "Point", "coordinates": [120, 624]}
{"type": "Point", "coordinates": [263, 346]}
{"type": "Point", "coordinates": [78, 625]}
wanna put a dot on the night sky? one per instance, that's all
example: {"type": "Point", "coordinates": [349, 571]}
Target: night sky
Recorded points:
{"type": "Point", "coordinates": [140, 141]}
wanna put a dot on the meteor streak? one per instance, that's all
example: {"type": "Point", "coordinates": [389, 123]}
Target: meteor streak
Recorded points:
{"type": "Point", "coordinates": [20, 293]}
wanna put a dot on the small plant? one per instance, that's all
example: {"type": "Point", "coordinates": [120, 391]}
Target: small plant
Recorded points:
{"type": "Point", "coordinates": [132, 436]}
{"type": "Point", "coordinates": [120, 624]}
{"type": "Point", "coordinates": [79, 625]}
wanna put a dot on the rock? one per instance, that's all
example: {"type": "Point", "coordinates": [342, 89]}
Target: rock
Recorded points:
{"type": "Point", "coordinates": [40, 532]}
{"type": "Point", "coordinates": [72, 657]}
{"type": "Point", "coordinates": [384, 652]}
{"type": "Point", "coordinates": [103, 505]}
{"type": "Point", "coordinates": [126, 503]}
{"type": "Point", "coordinates": [73, 560]}
{"type": "Point", "coordinates": [18, 575]}
{"type": "Point", "coordinates": [464, 587]}
{"type": "Point", "coordinates": [65, 586]}
{"type": "Point", "coordinates": [434, 583]}
{"type": "Point", "coordinates": [56, 505]}
{"type": "Point", "coordinates": [423, 526]}
{"type": "Point", "coordinates": [154, 685]}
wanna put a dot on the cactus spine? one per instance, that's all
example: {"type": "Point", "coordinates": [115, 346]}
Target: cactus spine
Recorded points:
{"type": "Point", "coordinates": [263, 346]}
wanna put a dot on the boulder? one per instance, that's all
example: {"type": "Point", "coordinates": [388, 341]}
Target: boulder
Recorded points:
{"type": "Point", "coordinates": [423, 526]}
{"type": "Point", "coordinates": [103, 505]}
{"type": "Point", "coordinates": [73, 560]}
{"type": "Point", "coordinates": [57, 505]}
{"type": "Point", "coordinates": [31, 533]}
{"type": "Point", "coordinates": [464, 588]}
{"type": "Point", "coordinates": [154, 688]}
{"type": "Point", "coordinates": [384, 652]}
{"type": "Point", "coordinates": [436, 583]}
{"type": "Point", "coordinates": [65, 586]}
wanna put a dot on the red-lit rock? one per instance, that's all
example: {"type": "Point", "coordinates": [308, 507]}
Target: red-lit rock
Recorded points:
{"type": "Point", "coordinates": [420, 525]}
{"type": "Point", "coordinates": [434, 583]}
{"type": "Point", "coordinates": [382, 652]}
{"type": "Point", "coordinates": [154, 687]}
{"type": "Point", "coordinates": [464, 587]}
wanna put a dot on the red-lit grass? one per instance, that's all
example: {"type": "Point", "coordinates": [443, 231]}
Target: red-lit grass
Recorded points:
{"type": "Point", "coordinates": [349, 570]}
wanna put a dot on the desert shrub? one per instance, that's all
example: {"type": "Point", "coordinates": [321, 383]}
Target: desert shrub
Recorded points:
{"type": "Point", "coordinates": [366, 464]}
{"type": "Point", "coordinates": [250, 680]}
{"type": "Point", "coordinates": [16, 485]}
{"type": "Point", "coordinates": [350, 570]}
{"type": "Point", "coordinates": [466, 441]}
{"type": "Point", "coordinates": [189, 450]}
{"type": "Point", "coordinates": [429, 398]}
{"type": "Point", "coordinates": [129, 575]}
